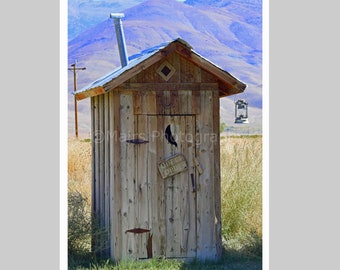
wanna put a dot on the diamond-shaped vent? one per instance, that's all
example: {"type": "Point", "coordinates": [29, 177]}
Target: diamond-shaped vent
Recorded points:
{"type": "Point", "coordinates": [166, 70]}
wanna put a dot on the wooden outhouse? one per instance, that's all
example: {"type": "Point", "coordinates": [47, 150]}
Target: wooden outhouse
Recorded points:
{"type": "Point", "coordinates": [156, 154]}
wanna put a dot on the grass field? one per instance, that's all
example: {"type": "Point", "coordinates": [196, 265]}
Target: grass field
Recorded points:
{"type": "Point", "coordinates": [241, 194]}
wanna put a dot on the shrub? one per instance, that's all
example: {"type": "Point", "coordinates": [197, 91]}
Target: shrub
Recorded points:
{"type": "Point", "coordinates": [79, 226]}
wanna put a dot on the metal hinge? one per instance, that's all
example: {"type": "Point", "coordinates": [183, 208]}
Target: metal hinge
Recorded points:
{"type": "Point", "coordinates": [137, 141]}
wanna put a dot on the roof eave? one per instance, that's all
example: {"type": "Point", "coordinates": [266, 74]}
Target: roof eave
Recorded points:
{"type": "Point", "coordinates": [126, 75]}
{"type": "Point", "coordinates": [90, 93]}
{"type": "Point", "coordinates": [225, 89]}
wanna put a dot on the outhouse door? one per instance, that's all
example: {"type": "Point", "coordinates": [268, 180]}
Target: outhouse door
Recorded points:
{"type": "Point", "coordinates": [166, 202]}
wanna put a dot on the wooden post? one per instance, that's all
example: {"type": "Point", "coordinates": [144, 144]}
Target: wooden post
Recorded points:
{"type": "Point", "coordinates": [74, 68]}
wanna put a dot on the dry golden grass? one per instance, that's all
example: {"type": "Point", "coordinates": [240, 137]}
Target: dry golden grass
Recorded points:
{"type": "Point", "coordinates": [79, 167]}
{"type": "Point", "coordinates": [241, 185]}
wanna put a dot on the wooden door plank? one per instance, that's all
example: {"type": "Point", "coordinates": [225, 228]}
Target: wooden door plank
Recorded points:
{"type": "Point", "coordinates": [152, 186]}
{"type": "Point", "coordinates": [178, 183]}
{"type": "Point", "coordinates": [160, 188]}
{"type": "Point", "coordinates": [127, 177]}
{"type": "Point", "coordinates": [183, 196]}
{"type": "Point", "coordinates": [190, 203]}
{"type": "Point", "coordinates": [169, 150]}
{"type": "Point", "coordinates": [142, 191]}
{"type": "Point", "coordinates": [155, 202]}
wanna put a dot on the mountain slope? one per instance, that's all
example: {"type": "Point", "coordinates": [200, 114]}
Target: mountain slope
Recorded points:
{"type": "Point", "coordinates": [84, 14]}
{"type": "Point", "coordinates": [228, 33]}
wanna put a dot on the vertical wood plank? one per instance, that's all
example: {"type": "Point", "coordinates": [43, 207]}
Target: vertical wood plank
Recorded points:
{"type": "Point", "coordinates": [96, 209]}
{"type": "Point", "coordinates": [156, 185]}
{"type": "Point", "coordinates": [160, 188]}
{"type": "Point", "coordinates": [175, 106]}
{"type": "Point", "coordinates": [189, 103]}
{"type": "Point", "coordinates": [150, 74]}
{"type": "Point", "coordinates": [175, 192]}
{"type": "Point", "coordinates": [195, 102]}
{"type": "Point", "coordinates": [127, 176]}
{"type": "Point", "coordinates": [166, 102]}
{"type": "Point", "coordinates": [180, 194]}
{"type": "Point", "coordinates": [174, 60]}
{"type": "Point", "coordinates": [159, 102]}
{"type": "Point", "coordinates": [142, 191]}
{"type": "Point", "coordinates": [144, 109]}
{"type": "Point", "coordinates": [150, 102]}
{"type": "Point", "coordinates": [183, 102]}
{"type": "Point", "coordinates": [207, 77]}
{"type": "Point", "coordinates": [153, 135]}
{"type": "Point", "coordinates": [101, 162]}
{"type": "Point", "coordinates": [217, 177]}
{"type": "Point", "coordinates": [190, 199]}
{"type": "Point", "coordinates": [118, 211]}
{"type": "Point", "coordinates": [198, 74]}
{"type": "Point", "coordinates": [205, 199]}
{"type": "Point", "coordinates": [186, 75]}
{"type": "Point", "coordinates": [124, 176]}
{"type": "Point", "coordinates": [106, 143]}
{"type": "Point", "coordinates": [112, 179]}
{"type": "Point", "coordinates": [137, 102]}
{"type": "Point", "coordinates": [189, 72]}
{"type": "Point", "coordinates": [171, 240]}
{"type": "Point", "coordinates": [94, 163]}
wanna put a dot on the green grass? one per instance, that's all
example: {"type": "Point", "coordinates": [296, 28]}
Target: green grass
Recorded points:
{"type": "Point", "coordinates": [231, 260]}
{"type": "Point", "coordinates": [241, 198]}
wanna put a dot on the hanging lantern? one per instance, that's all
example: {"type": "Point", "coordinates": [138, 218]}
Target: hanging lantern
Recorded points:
{"type": "Point", "coordinates": [241, 112]}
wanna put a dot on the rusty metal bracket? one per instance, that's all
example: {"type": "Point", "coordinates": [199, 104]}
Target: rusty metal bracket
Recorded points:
{"type": "Point", "coordinates": [137, 141]}
{"type": "Point", "coordinates": [198, 166]}
{"type": "Point", "coordinates": [137, 230]}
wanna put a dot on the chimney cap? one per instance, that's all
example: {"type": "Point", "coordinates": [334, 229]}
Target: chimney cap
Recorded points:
{"type": "Point", "coordinates": [117, 15]}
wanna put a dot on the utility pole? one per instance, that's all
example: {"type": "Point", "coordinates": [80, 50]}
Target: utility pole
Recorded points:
{"type": "Point", "coordinates": [74, 68]}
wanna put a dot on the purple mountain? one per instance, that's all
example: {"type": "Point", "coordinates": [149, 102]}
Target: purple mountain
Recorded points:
{"type": "Point", "coordinates": [228, 33]}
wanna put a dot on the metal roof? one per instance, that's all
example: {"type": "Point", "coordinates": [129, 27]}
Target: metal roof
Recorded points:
{"type": "Point", "coordinates": [97, 87]}
{"type": "Point", "coordinates": [133, 61]}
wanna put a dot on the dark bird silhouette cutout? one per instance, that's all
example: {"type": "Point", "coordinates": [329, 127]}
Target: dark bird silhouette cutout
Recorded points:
{"type": "Point", "coordinates": [169, 136]}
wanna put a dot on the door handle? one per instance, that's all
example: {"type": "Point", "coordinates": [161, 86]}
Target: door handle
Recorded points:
{"type": "Point", "coordinates": [193, 182]}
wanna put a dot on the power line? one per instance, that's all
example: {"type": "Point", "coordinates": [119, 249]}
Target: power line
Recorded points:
{"type": "Point", "coordinates": [74, 68]}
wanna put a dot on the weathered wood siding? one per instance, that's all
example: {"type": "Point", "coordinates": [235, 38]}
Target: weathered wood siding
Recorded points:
{"type": "Point", "coordinates": [128, 193]}
{"type": "Point", "coordinates": [102, 162]}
